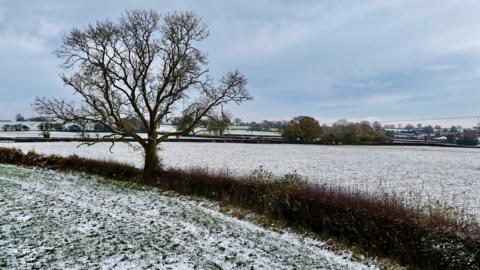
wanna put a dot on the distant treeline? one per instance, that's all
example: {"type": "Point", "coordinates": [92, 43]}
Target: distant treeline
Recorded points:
{"type": "Point", "coordinates": [301, 129]}
{"type": "Point", "coordinates": [21, 118]}
{"type": "Point", "coordinates": [15, 127]}
{"type": "Point", "coordinates": [219, 123]}
{"type": "Point", "coordinates": [306, 129]}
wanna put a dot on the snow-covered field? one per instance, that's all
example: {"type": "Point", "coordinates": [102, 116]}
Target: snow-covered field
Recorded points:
{"type": "Point", "coordinates": [428, 175]}
{"type": "Point", "coordinates": [62, 134]}
{"type": "Point", "coordinates": [53, 134]}
{"type": "Point", "coordinates": [63, 221]}
{"type": "Point", "coordinates": [65, 134]}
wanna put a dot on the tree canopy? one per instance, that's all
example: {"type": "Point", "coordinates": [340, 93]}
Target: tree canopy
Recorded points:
{"type": "Point", "coordinates": [143, 67]}
{"type": "Point", "coordinates": [302, 129]}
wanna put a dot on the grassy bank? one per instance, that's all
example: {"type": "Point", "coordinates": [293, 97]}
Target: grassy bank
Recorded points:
{"type": "Point", "coordinates": [382, 226]}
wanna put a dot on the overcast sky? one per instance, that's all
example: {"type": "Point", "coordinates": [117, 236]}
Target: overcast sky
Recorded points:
{"type": "Point", "coordinates": [383, 60]}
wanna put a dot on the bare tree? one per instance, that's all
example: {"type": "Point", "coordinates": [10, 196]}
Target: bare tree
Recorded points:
{"type": "Point", "coordinates": [19, 118]}
{"type": "Point", "coordinates": [237, 121]}
{"type": "Point", "coordinates": [219, 123]}
{"type": "Point", "coordinates": [144, 67]}
{"type": "Point", "coordinates": [377, 126]}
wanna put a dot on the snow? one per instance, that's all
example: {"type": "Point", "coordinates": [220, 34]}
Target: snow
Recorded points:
{"type": "Point", "coordinates": [56, 220]}
{"type": "Point", "coordinates": [34, 129]}
{"type": "Point", "coordinates": [34, 132]}
{"type": "Point", "coordinates": [53, 134]}
{"type": "Point", "coordinates": [421, 175]}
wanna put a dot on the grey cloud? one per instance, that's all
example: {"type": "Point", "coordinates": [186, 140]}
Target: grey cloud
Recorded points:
{"type": "Point", "coordinates": [301, 57]}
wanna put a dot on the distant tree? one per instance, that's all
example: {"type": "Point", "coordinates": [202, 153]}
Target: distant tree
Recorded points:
{"type": "Point", "coordinates": [419, 126]}
{"type": "Point", "coordinates": [453, 129]}
{"type": "Point", "coordinates": [254, 126]}
{"type": "Point", "coordinates": [339, 134]}
{"type": "Point", "coordinates": [99, 127]}
{"type": "Point", "coordinates": [428, 129]}
{"type": "Point", "coordinates": [390, 134]}
{"type": "Point", "coordinates": [175, 121]}
{"type": "Point", "coordinates": [338, 130]}
{"type": "Point", "coordinates": [50, 126]}
{"type": "Point", "coordinates": [377, 126]}
{"type": "Point", "coordinates": [38, 119]}
{"type": "Point", "coordinates": [19, 118]}
{"type": "Point", "coordinates": [451, 138]}
{"type": "Point", "coordinates": [58, 127]}
{"type": "Point", "coordinates": [303, 129]}
{"type": "Point", "coordinates": [219, 124]}
{"type": "Point", "coordinates": [409, 127]}
{"type": "Point", "coordinates": [184, 121]}
{"type": "Point", "coordinates": [266, 125]}
{"type": "Point", "coordinates": [16, 127]}
{"type": "Point", "coordinates": [351, 133]}
{"type": "Point", "coordinates": [133, 124]}
{"type": "Point", "coordinates": [279, 124]}
{"type": "Point", "coordinates": [341, 122]}
{"type": "Point", "coordinates": [366, 134]}
{"type": "Point", "coordinates": [328, 135]}
{"type": "Point", "coordinates": [237, 121]}
{"type": "Point", "coordinates": [74, 128]}
{"type": "Point", "coordinates": [42, 126]}
{"type": "Point", "coordinates": [141, 68]}
{"type": "Point", "coordinates": [469, 137]}
{"type": "Point", "coordinates": [365, 122]}
{"type": "Point", "coordinates": [354, 133]}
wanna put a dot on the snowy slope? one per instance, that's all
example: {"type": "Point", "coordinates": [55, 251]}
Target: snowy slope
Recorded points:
{"type": "Point", "coordinates": [54, 220]}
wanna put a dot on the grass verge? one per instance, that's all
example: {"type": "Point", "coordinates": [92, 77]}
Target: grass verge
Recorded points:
{"type": "Point", "coordinates": [381, 226]}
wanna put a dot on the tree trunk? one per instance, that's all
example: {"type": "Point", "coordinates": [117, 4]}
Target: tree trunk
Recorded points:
{"type": "Point", "coordinates": [152, 165]}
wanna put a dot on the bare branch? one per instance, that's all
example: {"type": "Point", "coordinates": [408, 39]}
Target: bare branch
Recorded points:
{"type": "Point", "coordinates": [142, 68]}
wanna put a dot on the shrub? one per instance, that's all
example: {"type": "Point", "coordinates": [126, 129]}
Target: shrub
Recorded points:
{"type": "Point", "coordinates": [45, 134]}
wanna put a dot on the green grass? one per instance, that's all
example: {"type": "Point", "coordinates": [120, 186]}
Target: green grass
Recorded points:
{"type": "Point", "coordinates": [238, 127]}
{"type": "Point", "coordinates": [9, 171]}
